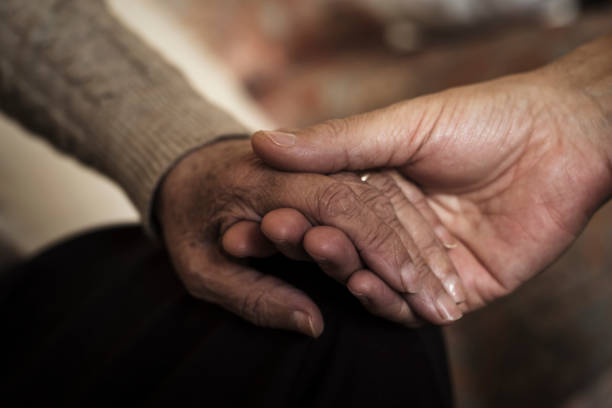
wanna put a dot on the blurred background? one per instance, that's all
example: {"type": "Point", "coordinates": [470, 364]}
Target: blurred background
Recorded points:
{"type": "Point", "coordinates": [292, 63]}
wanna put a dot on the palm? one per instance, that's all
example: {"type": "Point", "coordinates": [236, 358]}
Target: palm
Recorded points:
{"type": "Point", "coordinates": [520, 198]}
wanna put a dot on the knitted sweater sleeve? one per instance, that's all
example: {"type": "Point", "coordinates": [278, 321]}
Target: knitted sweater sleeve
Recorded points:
{"type": "Point", "coordinates": [73, 74]}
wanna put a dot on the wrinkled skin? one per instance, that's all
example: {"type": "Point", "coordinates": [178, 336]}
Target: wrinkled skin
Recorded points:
{"type": "Point", "coordinates": [468, 194]}
{"type": "Point", "coordinates": [226, 188]}
{"type": "Point", "coordinates": [513, 169]}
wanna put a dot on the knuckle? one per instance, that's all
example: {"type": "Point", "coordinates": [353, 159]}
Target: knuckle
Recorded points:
{"type": "Point", "coordinates": [199, 287]}
{"type": "Point", "coordinates": [358, 283]}
{"type": "Point", "coordinates": [387, 186]}
{"type": "Point", "coordinates": [203, 286]}
{"type": "Point", "coordinates": [333, 127]}
{"type": "Point", "coordinates": [254, 306]}
{"type": "Point", "coordinates": [432, 290]}
{"type": "Point", "coordinates": [430, 249]}
{"type": "Point", "coordinates": [415, 280]}
{"type": "Point", "coordinates": [381, 206]}
{"type": "Point", "coordinates": [437, 259]}
{"type": "Point", "coordinates": [244, 175]}
{"type": "Point", "coordinates": [200, 281]}
{"type": "Point", "coordinates": [196, 283]}
{"type": "Point", "coordinates": [338, 200]}
{"type": "Point", "coordinates": [439, 262]}
{"type": "Point", "coordinates": [421, 267]}
{"type": "Point", "coordinates": [438, 289]}
{"type": "Point", "coordinates": [380, 236]}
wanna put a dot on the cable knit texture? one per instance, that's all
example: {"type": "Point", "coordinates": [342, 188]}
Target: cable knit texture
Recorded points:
{"type": "Point", "coordinates": [73, 74]}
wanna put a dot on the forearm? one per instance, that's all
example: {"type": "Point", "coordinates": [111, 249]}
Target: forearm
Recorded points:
{"type": "Point", "coordinates": [70, 72]}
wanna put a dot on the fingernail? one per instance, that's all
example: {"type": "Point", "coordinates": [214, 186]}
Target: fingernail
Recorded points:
{"type": "Point", "coordinates": [454, 287]}
{"type": "Point", "coordinates": [281, 139]}
{"type": "Point", "coordinates": [448, 309]}
{"type": "Point", "coordinates": [304, 323]}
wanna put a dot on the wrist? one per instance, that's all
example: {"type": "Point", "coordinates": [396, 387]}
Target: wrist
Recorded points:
{"type": "Point", "coordinates": [191, 165]}
{"type": "Point", "coordinates": [583, 80]}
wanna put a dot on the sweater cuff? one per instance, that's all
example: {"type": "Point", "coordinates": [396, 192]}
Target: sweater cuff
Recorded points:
{"type": "Point", "coordinates": [145, 152]}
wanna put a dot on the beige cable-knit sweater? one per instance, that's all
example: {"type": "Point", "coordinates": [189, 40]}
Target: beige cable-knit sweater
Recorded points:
{"type": "Point", "coordinates": [73, 74]}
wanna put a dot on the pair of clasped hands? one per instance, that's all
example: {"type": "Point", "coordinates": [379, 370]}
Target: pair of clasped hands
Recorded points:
{"type": "Point", "coordinates": [425, 210]}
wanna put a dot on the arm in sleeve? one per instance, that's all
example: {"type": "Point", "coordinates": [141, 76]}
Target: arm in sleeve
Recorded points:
{"type": "Point", "coordinates": [73, 74]}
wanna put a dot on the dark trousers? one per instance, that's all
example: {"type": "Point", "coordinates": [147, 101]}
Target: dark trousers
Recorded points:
{"type": "Point", "coordinates": [102, 320]}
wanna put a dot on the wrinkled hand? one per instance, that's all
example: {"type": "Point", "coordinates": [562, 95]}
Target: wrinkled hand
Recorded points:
{"type": "Point", "coordinates": [224, 190]}
{"type": "Point", "coordinates": [509, 171]}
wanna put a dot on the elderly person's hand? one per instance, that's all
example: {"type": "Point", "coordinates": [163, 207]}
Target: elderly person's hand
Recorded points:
{"type": "Point", "coordinates": [224, 190]}
{"type": "Point", "coordinates": [509, 172]}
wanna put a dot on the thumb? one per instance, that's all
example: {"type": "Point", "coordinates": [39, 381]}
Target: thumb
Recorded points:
{"type": "Point", "coordinates": [262, 299]}
{"type": "Point", "coordinates": [387, 137]}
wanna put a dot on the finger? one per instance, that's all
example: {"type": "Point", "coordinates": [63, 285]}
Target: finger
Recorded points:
{"type": "Point", "coordinates": [336, 255]}
{"type": "Point", "coordinates": [285, 228]}
{"type": "Point", "coordinates": [380, 300]}
{"type": "Point", "coordinates": [426, 293]}
{"type": "Point", "coordinates": [428, 298]}
{"type": "Point", "coordinates": [386, 137]}
{"type": "Point", "coordinates": [333, 251]}
{"type": "Point", "coordinates": [325, 201]}
{"type": "Point", "coordinates": [244, 239]}
{"type": "Point", "coordinates": [261, 299]}
{"type": "Point", "coordinates": [426, 242]}
{"type": "Point", "coordinates": [381, 246]}
{"type": "Point", "coordinates": [419, 201]}
{"type": "Point", "coordinates": [446, 238]}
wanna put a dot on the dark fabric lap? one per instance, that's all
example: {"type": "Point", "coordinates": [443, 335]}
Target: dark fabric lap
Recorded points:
{"type": "Point", "coordinates": [102, 319]}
